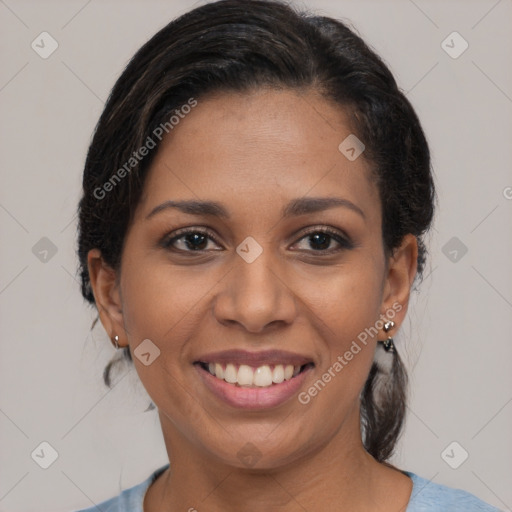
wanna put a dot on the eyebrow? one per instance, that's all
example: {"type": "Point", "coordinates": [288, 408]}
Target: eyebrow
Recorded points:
{"type": "Point", "coordinates": [299, 206]}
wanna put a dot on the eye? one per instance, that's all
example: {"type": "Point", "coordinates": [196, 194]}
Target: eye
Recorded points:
{"type": "Point", "coordinates": [320, 240]}
{"type": "Point", "coordinates": [190, 240]}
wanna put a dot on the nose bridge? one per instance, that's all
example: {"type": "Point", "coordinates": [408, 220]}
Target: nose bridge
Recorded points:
{"type": "Point", "coordinates": [256, 294]}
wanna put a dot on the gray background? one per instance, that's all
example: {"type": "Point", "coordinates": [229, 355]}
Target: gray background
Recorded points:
{"type": "Point", "coordinates": [456, 341]}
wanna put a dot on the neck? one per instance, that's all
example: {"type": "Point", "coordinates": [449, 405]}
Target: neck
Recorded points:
{"type": "Point", "coordinates": [339, 472]}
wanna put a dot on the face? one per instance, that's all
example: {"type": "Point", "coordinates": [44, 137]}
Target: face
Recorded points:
{"type": "Point", "coordinates": [270, 267]}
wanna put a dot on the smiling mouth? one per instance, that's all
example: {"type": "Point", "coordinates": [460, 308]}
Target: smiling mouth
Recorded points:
{"type": "Point", "coordinates": [251, 377]}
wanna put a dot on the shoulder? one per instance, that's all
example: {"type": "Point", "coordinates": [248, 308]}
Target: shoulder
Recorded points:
{"type": "Point", "coordinates": [428, 496]}
{"type": "Point", "coordinates": [130, 500]}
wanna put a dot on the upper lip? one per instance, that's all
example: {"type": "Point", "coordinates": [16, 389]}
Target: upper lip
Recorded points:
{"type": "Point", "coordinates": [270, 357]}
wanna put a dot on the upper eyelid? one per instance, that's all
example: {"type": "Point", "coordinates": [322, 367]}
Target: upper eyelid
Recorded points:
{"type": "Point", "coordinates": [329, 230]}
{"type": "Point", "coordinates": [185, 231]}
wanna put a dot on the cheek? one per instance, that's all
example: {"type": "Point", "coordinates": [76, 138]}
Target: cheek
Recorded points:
{"type": "Point", "coordinates": [346, 308]}
{"type": "Point", "coordinates": [156, 297]}
{"type": "Point", "coordinates": [347, 298]}
{"type": "Point", "coordinates": [160, 305]}
{"type": "Point", "coordinates": [160, 298]}
{"type": "Point", "coordinates": [345, 313]}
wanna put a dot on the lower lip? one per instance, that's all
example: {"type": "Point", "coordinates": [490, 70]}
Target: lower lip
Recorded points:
{"type": "Point", "coordinates": [254, 397]}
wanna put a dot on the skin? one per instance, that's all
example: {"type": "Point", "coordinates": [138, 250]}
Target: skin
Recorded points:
{"type": "Point", "coordinates": [254, 152]}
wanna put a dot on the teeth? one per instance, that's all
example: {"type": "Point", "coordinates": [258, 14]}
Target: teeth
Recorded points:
{"type": "Point", "coordinates": [244, 375]}
{"type": "Point", "coordinates": [230, 374]}
{"type": "Point", "coordinates": [219, 371]}
{"type": "Point", "coordinates": [278, 374]}
{"type": "Point", "coordinates": [263, 376]}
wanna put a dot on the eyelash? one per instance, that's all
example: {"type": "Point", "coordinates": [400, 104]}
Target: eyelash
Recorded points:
{"type": "Point", "coordinates": [344, 243]}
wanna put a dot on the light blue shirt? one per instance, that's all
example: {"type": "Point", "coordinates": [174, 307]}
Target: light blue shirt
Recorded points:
{"type": "Point", "coordinates": [426, 497]}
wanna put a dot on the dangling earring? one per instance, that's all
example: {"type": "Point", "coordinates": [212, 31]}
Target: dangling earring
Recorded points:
{"type": "Point", "coordinates": [388, 344]}
{"type": "Point", "coordinates": [115, 341]}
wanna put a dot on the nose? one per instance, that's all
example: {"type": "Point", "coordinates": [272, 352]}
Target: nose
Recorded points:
{"type": "Point", "coordinates": [256, 296]}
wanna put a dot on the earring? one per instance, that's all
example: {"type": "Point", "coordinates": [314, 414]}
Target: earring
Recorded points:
{"type": "Point", "coordinates": [388, 344]}
{"type": "Point", "coordinates": [115, 341]}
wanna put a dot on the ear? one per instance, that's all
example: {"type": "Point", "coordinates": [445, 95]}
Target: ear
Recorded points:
{"type": "Point", "coordinates": [401, 271]}
{"type": "Point", "coordinates": [105, 286]}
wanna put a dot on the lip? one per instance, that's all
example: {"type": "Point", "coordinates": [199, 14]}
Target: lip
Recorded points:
{"type": "Point", "coordinates": [255, 359]}
{"type": "Point", "coordinates": [253, 397]}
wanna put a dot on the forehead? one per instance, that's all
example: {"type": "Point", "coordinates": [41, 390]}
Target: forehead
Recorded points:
{"type": "Point", "coordinates": [263, 147]}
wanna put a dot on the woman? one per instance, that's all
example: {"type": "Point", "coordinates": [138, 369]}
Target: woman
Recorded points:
{"type": "Point", "coordinates": [255, 197]}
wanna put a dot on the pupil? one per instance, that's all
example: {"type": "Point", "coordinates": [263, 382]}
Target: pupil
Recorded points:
{"type": "Point", "coordinates": [323, 237]}
{"type": "Point", "coordinates": [195, 237]}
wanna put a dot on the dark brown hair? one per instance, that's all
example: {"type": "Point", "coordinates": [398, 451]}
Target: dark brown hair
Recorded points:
{"type": "Point", "coordinates": [239, 45]}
